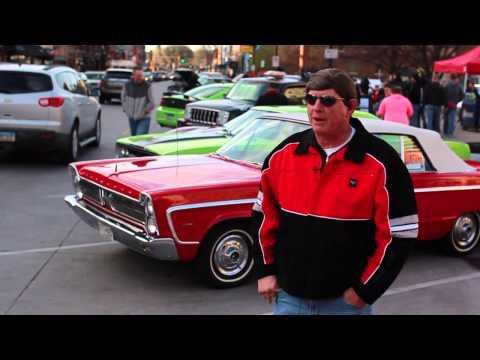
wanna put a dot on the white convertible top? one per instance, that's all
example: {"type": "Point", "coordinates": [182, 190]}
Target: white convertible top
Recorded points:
{"type": "Point", "coordinates": [441, 156]}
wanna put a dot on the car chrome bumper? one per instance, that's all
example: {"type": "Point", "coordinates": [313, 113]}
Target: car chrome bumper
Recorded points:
{"type": "Point", "coordinates": [161, 249]}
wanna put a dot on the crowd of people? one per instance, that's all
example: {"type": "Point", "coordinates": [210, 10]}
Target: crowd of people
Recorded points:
{"type": "Point", "coordinates": [421, 102]}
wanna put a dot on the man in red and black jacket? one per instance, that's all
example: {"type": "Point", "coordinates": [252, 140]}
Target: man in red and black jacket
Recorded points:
{"type": "Point", "coordinates": [336, 214]}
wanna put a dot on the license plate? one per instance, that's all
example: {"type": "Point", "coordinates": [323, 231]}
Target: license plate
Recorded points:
{"type": "Point", "coordinates": [105, 232]}
{"type": "Point", "coordinates": [170, 116]}
{"type": "Point", "coordinates": [7, 136]}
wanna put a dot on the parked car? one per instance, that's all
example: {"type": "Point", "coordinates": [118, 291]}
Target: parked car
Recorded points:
{"type": "Point", "coordinates": [148, 76]}
{"type": "Point", "coordinates": [94, 79]}
{"type": "Point", "coordinates": [198, 207]}
{"type": "Point", "coordinates": [112, 84]}
{"type": "Point", "coordinates": [200, 139]}
{"type": "Point", "coordinates": [159, 76]}
{"type": "Point", "coordinates": [244, 95]}
{"type": "Point", "coordinates": [47, 108]}
{"type": "Point", "coordinates": [172, 105]}
{"type": "Point", "coordinates": [183, 80]}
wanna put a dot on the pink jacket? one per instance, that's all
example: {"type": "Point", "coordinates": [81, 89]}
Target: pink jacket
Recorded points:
{"type": "Point", "coordinates": [396, 108]}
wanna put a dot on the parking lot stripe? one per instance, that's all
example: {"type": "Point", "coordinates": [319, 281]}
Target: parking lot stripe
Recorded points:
{"type": "Point", "coordinates": [52, 249]}
{"type": "Point", "coordinates": [428, 284]}
{"type": "Point", "coordinates": [424, 285]}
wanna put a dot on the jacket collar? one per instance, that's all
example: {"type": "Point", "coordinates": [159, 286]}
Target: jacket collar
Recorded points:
{"type": "Point", "coordinates": [356, 147]}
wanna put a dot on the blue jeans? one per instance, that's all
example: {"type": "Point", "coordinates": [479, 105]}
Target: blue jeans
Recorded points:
{"type": "Point", "coordinates": [415, 120]}
{"type": "Point", "coordinates": [139, 126]}
{"type": "Point", "coordinates": [432, 114]}
{"type": "Point", "coordinates": [286, 304]}
{"type": "Point", "coordinates": [449, 122]}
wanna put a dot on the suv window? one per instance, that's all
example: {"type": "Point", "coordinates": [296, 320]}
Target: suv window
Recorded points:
{"type": "Point", "coordinates": [67, 81]}
{"type": "Point", "coordinates": [13, 82]}
{"type": "Point", "coordinates": [81, 87]}
{"type": "Point", "coordinates": [408, 149]}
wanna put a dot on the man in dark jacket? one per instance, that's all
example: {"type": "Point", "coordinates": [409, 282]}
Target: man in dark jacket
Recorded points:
{"type": "Point", "coordinates": [415, 95]}
{"type": "Point", "coordinates": [338, 244]}
{"type": "Point", "coordinates": [454, 94]}
{"type": "Point", "coordinates": [137, 102]}
{"type": "Point", "coordinates": [434, 99]}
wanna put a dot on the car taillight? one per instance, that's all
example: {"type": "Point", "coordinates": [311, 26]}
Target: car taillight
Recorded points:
{"type": "Point", "coordinates": [51, 102]}
{"type": "Point", "coordinates": [163, 102]}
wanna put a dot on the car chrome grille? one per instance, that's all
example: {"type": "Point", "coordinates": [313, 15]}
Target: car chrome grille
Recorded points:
{"type": "Point", "coordinates": [204, 116]}
{"type": "Point", "coordinates": [113, 201]}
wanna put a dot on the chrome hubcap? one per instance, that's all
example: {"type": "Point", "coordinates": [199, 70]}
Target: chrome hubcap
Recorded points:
{"type": "Point", "coordinates": [231, 255]}
{"type": "Point", "coordinates": [465, 232]}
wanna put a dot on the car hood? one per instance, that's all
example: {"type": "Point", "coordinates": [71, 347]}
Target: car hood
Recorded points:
{"type": "Point", "coordinates": [188, 147]}
{"type": "Point", "coordinates": [161, 138]}
{"type": "Point", "coordinates": [160, 174]}
{"type": "Point", "coordinates": [225, 105]}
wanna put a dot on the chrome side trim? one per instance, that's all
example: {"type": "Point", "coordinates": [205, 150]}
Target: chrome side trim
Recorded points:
{"type": "Point", "coordinates": [172, 209]}
{"type": "Point", "coordinates": [111, 190]}
{"type": "Point", "coordinates": [448, 188]}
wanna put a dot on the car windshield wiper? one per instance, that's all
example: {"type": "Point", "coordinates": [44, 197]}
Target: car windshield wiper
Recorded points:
{"type": "Point", "coordinates": [226, 158]}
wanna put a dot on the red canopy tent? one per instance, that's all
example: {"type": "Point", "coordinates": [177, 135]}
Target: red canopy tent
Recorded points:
{"type": "Point", "coordinates": [468, 63]}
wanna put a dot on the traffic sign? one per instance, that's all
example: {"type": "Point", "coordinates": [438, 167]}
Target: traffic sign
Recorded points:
{"type": "Point", "coordinates": [331, 53]}
{"type": "Point", "coordinates": [275, 61]}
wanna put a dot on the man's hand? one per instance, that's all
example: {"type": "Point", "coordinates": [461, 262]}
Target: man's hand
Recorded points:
{"type": "Point", "coordinates": [351, 297]}
{"type": "Point", "coordinates": [268, 287]}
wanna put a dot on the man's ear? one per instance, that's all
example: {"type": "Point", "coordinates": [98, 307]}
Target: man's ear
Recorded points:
{"type": "Point", "coordinates": [353, 105]}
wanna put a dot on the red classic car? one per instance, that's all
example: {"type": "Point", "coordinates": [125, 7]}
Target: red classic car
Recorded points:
{"type": "Point", "coordinates": [199, 207]}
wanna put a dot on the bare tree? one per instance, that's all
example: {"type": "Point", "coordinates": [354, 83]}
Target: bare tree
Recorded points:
{"type": "Point", "coordinates": [393, 58]}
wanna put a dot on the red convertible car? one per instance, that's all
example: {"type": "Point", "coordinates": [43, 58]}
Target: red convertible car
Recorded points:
{"type": "Point", "coordinates": [198, 208]}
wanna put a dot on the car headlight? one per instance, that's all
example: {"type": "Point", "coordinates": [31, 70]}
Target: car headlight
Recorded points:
{"type": "Point", "coordinates": [152, 226]}
{"type": "Point", "coordinates": [122, 152]}
{"type": "Point", "coordinates": [150, 218]}
{"type": "Point", "coordinates": [188, 112]}
{"type": "Point", "coordinates": [223, 117]}
{"type": "Point", "coordinates": [76, 181]}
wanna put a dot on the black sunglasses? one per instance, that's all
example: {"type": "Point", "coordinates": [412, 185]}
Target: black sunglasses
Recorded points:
{"type": "Point", "coordinates": [325, 100]}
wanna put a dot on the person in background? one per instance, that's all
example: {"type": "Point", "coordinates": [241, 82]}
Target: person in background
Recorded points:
{"type": "Point", "coordinates": [396, 107]}
{"type": "Point", "coordinates": [454, 94]}
{"type": "Point", "coordinates": [434, 99]}
{"type": "Point", "coordinates": [137, 102]}
{"type": "Point", "coordinates": [415, 95]}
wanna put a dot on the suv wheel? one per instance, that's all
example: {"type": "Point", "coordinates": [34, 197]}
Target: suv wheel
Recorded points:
{"type": "Point", "coordinates": [102, 99]}
{"type": "Point", "coordinates": [71, 152]}
{"type": "Point", "coordinates": [98, 132]}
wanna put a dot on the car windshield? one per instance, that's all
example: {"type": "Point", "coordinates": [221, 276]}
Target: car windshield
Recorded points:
{"type": "Point", "coordinates": [249, 91]}
{"type": "Point", "coordinates": [12, 82]}
{"type": "Point", "coordinates": [236, 125]}
{"type": "Point", "coordinates": [203, 91]}
{"type": "Point", "coordinates": [94, 76]}
{"type": "Point", "coordinates": [258, 139]}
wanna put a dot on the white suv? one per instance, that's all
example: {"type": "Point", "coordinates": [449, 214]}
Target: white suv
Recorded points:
{"type": "Point", "coordinates": [47, 108]}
